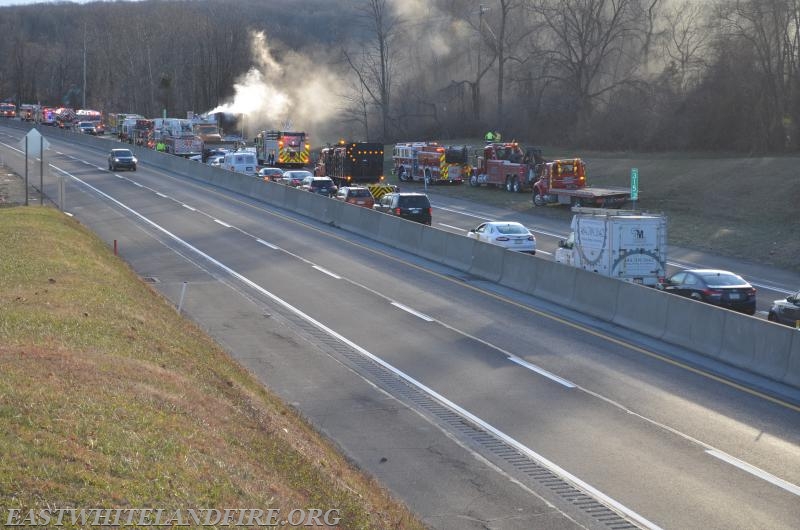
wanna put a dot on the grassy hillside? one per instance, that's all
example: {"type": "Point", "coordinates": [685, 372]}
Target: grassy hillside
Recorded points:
{"type": "Point", "coordinates": [740, 207]}
{"type": "Point", "coordinates": [108, 398]}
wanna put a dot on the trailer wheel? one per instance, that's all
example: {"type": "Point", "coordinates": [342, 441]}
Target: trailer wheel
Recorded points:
{"type": "Point", "coordinates": [473, 180]}
{"type": "Point", "coordinates": [537, 198]}
{"type": "Point", "coordinates": [516, 187]}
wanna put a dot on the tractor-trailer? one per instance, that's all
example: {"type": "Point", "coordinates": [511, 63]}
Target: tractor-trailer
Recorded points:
{"type": "Point", "coordinates": [623, 244]}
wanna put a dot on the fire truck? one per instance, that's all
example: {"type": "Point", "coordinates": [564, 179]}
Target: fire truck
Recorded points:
{"type": "Point", "coordinates": [8, 110]}
{"type": "Point", "coordinates": [351, 162]}
{"type": "Point", "coordinates": [283, 149]}
{"type": "Point", "coordinates": [564, 182]}
{"type": "Point", "coordinates": [506, 165]}
{"type": "Point", "coordinates": [431, 162]}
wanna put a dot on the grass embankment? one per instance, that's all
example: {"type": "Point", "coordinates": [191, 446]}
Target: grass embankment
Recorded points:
{"type": "Point", "coordinates": [732, 206]}
{"type": "Point", "coordinates": [109, 399]}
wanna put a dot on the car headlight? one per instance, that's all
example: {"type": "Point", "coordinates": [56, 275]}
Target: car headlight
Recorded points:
{"type": "Point", "coordinates": [134, 160]}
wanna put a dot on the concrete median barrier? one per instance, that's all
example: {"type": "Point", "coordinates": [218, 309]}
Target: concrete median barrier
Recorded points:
{"type": "Point", "coordinates": [694, 325]}
{"type": "Point", "coordinates": [432, 244]}
{"type": "Point", "coordinates": [755, 345]}
{"type": "Point", "coordinates": [487, 261]}
{"type": "Point", "coordinates": [458, 251]}
{"type": "Point", "coordinates": [555, 282]}
{"type": "Point", "coordinates": [792, 376]}
{"type": "Point", "coordinates": [641, 309]}
{"type": "Point", "coordinates": [596, 295]}
{"type": "Point", "coordinates": [351, 217]}
{"type": "Point", "coordinates": [519, 272]}
{"type": "Point", "coordinates": [400, 233]}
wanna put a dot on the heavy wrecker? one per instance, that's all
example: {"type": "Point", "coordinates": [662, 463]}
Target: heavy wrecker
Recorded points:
{"type": "Point", "coordinates": [508, 166]}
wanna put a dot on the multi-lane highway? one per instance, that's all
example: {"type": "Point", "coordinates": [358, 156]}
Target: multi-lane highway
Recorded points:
{"type": "Point", "coordinates": [593, 426]}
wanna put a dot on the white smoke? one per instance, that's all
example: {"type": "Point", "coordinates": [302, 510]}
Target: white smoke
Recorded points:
{"type": "Point", "coordinates": [290, 92]}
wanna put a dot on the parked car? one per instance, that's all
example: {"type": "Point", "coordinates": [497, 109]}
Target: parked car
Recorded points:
{"type": "Point", "coordinates": [121, 158]}
{"type": "Point", "coordinates": [87, 127]}
{"type": "Point", "coordinates": [786, 311]}
{"type": "Point", "coordinates": [320, 185]}
{"type": "Point", "coordinates": [270, 173]}
{"type": "Point", "coordinates": [358, 195]}
{"type": "Point", "coordinates": [717, 287]}
{"type": "Point", "coordinates": [295, 177]}
{"type": "Point", "coordinates": [508, 234]}
{"type": "Point", "coordinates": [411, 206]}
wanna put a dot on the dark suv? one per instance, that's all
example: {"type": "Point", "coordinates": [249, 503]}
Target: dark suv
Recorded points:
{"type": "Point", "coordinates": [121, 158]}
{"type": "Point", "coordinates": [411, 206]}
{"type": "Point", "coordinates": [321, 185]}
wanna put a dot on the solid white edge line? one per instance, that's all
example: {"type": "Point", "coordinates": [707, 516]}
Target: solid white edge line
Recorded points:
{"type": "Point", "coordinates": [223, 223]}
{"type": "Point", "coordinates": [543, 252]}
{"type": "Point", "coordinates": [325, 271]}
{"type": "Point", "coordinates": [753, 470]}
{"type": "Point", "coordinates": [140, 185]}
{"type": "Point", "coordinates": [453, 227]}
{"type": "Point", "coordinates": [189, 207]}
{"type": "Point", "coordinates": [161, 195]}
{"type": "Point", "coordinates": [414, 312]}
{"type": "Point", "coordinates": [541, 371]}
{"type": "Point", "coordinates": [444, 401]}
{"type": "Point", "coordinates": [270, 245]}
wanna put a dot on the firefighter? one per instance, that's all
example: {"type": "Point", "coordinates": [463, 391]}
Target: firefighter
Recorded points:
{"type": "Point", "coordinates": [489, 137]}
{"type": "Point", "coordinates": [161, 146]}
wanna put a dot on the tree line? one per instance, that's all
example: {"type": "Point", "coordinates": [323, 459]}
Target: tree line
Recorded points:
{"type": "Point", "coordinates": [605, 74]}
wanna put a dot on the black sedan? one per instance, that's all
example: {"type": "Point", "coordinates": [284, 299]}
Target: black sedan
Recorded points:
{"type": "Point", "coordinates": [717, 287]}
{"type": "Point", "coordinates": [786, 311]}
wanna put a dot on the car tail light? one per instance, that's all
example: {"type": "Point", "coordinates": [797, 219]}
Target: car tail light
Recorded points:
{"type": "Point", "coordinates": [712, 292]}
{"type": "Point", "coordinates": [751, 291]}
{"type": "Point", "coordinates": [531, 238]}
{"type": "Point", "coordinates": [397, 211]}
{"type": "Point", "coordinates": [430, 212]}
{"type": "Point", "coordinates": [502, 238]}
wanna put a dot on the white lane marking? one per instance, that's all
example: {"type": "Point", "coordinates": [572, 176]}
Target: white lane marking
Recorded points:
{"type": "Point", "coordinates": [119, 176]}
{"type": "Point", "coordinates": [59, 153]}
{"type": "Point", "coordinates": [161, 195]}
{"type": "Point", "coordinates": [326, 271]}
{"type": "Point", "coordinates": [753, 470]}
{"type": "Point", "coordinates": [484, 218]}
{"type": "Point", "coordinates": [541, 371]}
{"type": "Point", "coordinates": [453, 227]}
{"type": "Point", "coordinates": [270, 245]}
{"type": "Point", "coordinates": [543, 252]}
{"type": "Point", "coordinates": [100, 168]}
{"type": "Point", "coordinates": [414, 312]}
{"type": "Point", "coordinates": [140, 185]}
{"type": "Point", "coordinates": [189, 207]}
{"type": "Point", "coordinates": [223, 223]}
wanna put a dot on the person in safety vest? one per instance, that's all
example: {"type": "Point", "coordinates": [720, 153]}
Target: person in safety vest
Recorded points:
{"type": "Point", "coordinates": [489, 137]}
{"type": "Point", "coordinates": [161, 146]}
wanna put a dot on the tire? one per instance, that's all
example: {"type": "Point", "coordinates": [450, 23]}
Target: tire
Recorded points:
{"type": "Point", "coordinates": [696, 296]}
{"type": "Point", "coordinates": [516, 187]}
{"type": "Point", "coordinates": [473, 180]}
{"type": "Point", "coordinates": [508, 184]}
{"type": "Point", "coordinates": [428, 181]}
{"type": "Point", "coordinates": [402, 175]}
{"type": "Point", "coordinates": [771, 317]}
{"type": "Point", "coordinates": [537, 198]}
{"type": "Point", "coordinates": [134, 167]}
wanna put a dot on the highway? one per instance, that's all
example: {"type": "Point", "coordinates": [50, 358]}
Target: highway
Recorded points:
{"type": "Point", "coordinates": [660, 442]}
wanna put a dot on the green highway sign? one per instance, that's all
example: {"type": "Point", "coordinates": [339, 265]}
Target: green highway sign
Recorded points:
{"type": "Point", "coordinates": [634, 184]}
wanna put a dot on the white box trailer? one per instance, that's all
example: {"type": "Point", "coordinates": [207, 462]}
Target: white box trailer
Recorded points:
{"type": "Point", "coordinates": [622, 244]}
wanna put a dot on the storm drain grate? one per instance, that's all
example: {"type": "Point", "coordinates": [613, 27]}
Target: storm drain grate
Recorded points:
{"type": "Point", "coordinates": [478, 437]}
{"type": "Point", "coordinates": [150, 279]}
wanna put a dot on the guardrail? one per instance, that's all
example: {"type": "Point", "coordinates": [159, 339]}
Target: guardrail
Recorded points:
{"type": "Point", "coordinates": [757, 346]}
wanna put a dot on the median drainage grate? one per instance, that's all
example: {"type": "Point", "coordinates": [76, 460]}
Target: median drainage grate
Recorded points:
{"type": "Point", "coordinates": [150, 279]}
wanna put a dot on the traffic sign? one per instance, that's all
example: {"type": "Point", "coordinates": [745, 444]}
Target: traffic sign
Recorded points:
{"type": "Point", "coordinates": [634, 184]}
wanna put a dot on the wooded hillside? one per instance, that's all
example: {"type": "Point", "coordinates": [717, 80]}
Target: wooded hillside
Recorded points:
{"type": "Point", "coordinates": [605, 74]}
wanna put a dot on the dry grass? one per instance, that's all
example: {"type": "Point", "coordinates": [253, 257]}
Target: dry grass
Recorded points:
{"type": "Point", "coordinates": [109, 399]}
{"type": "Point", "coordinates": [733, 206]}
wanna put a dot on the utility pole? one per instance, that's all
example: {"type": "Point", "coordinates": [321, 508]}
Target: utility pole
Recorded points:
{"type": "Point", "coordinates": [481, 11]}
{"type": "Point", "coordinates": [84, 65]}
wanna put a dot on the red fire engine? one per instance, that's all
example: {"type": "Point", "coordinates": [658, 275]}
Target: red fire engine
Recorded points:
{"type": "Point", "coordinates": [431, 162]}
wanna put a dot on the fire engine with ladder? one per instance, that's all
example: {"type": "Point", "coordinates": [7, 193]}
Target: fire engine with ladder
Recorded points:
{"type": "Point", "coordinates": [431, 162]}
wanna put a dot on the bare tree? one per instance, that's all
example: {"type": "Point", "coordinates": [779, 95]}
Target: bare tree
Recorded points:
{"type": "Point", "coordinates": [592, 50]}
{"type": "Point", "coordinates": [686, 41]}
{"type": "Point", "coordinates": [373, 65]}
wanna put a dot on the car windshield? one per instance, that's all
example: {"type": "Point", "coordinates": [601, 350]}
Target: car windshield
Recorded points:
{"type": "Point", "coordinates": [121, 152]}
{"type": "Point", "coordinates": [318, 183]}
{"type": "Point", "coordinates": [414, 201]}
{"type": "Point", "coordinates": [511, 229]}
{"type": "Point", "coordinates": [360, 193]}
{"type": "Point", "coordinates": [721, 279]}
{"type": "Point", "coordinates": [297, 174]}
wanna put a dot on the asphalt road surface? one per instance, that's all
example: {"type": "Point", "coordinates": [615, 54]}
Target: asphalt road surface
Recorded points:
{"type": "Point", "coordinates": [476, 405]}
